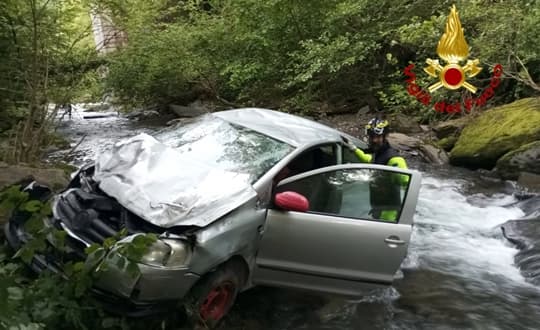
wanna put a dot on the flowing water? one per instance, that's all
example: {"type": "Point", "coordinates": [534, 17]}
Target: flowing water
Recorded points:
{"type": "Point", "coordinates": [459, 273]}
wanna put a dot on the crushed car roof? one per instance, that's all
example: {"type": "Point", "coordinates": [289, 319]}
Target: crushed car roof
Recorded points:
{"type": "Point", "coordinates": [168, 187]}
{"type": "Point", "coordinates": [282, 126]}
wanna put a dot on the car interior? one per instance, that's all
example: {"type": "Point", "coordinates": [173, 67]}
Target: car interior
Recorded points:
{"type": "Point", "coordinates": [322, 196]}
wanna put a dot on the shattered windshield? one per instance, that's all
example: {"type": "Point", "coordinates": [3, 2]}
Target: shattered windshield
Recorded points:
{"type": "Point", "coordinates": [222, 145]}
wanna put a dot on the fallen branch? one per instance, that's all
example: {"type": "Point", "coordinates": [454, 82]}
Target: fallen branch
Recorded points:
{"type": "Point", "coordinates": [76, 146]}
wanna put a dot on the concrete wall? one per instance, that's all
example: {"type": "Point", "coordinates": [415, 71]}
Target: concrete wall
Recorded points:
{"type": "Point", "coordinates": [106, 36]}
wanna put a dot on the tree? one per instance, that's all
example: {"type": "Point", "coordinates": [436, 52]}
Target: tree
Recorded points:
{"type": "Point", "coordinates": [45, 52]}
{"type": "Point", "coordinates": [333, 54]}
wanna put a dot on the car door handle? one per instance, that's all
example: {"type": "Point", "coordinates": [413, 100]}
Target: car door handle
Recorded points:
{"type": "Point", "coordinates": [394, 240]}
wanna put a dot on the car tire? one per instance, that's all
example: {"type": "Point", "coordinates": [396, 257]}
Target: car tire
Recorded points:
{"type": "Point", "coordinates": [213, 296]}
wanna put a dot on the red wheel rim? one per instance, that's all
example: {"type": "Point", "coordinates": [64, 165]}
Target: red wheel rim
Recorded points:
{"type": "Point", "coordinates": [217, 301]}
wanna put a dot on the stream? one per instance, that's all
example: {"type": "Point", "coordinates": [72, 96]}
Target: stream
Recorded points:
{"type": "Point", "coordinates": [459, 272]}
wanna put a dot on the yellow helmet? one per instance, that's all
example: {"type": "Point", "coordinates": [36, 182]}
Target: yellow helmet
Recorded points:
{"type": "Point", "coordinates": [377, 126]}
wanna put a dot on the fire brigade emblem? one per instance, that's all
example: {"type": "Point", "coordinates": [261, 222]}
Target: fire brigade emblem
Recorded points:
{"type": "Point", "coordinates": [453, 49]}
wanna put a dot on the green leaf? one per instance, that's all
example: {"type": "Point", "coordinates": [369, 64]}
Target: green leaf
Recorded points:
{"type": "Point", "coordinates": [92, 248]}
{"type": "Point", "coordinates": [33, 206]}
{"type": "Point", "coordinates": [82, 285]}
{"type": "Point", "coordinates": [15, 293]}
{"type": "Point", "coordinates": [59, 238]}
{"type": "Point", "coordinates": [94, 259]}
{"type": "Point", "coordinates": [109, 242]}
{"type": "Point", "coordinates": [139, 240]}
{"type": "Point", "coordinates": [25, 254]}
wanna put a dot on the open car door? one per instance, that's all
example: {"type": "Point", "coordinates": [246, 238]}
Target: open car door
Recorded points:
{"type": "Point", "coordinates": [354, 234]}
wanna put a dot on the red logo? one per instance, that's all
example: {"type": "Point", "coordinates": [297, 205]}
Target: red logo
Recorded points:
{"type": "Point", "coordinates": [452, 49]}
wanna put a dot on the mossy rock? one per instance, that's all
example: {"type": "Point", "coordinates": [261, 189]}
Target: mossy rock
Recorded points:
{"type": "Point", "coordinates": [496, 132]}
{"type": "Point", "coordinates": [447, 143]}
{"type": "Point", "coordinates": [524, 159]}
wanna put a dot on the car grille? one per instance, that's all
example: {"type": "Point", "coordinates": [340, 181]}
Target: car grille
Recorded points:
{"type": "Point", "coordinates": [91, 217]}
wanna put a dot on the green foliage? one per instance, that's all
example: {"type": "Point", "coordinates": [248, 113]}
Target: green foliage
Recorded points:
{"type": "Point", "coordinates": [45, 49]}
{"type": "Point", "coordinates": [63, 300]}
{"type": "Point", "coordinates": [341, 53]}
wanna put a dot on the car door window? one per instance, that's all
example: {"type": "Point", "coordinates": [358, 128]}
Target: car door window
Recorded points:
{"type": "Point", "coordinates": [312, 159]}
{"type": "Point", "coordinates": [373, 194]}
{"type": "Point", "coordinates": [349, 156]}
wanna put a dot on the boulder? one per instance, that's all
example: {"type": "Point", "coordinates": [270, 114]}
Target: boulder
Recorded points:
{"type": "Point", "coordinates": [428, 152]}
{"type": "Point", "coordinates": [404, 124]}
{"type": "Point", "coordinates": [526, 158]}
{"type": "Point", "coordinates": [496, 132]}
{"type": "Point", "coordinates": [143, 114]}
{"type": "Point", "coordinates": [433, 154]}
{"type": "Point", "coordinates": [450, 128]}
{"type": "Point", "coordinates": [56, 179]}
{"type": "Point", "coordinates": [193, 109]}
{"type": "Point", "coordinates": [530, 181]}
{"type": "Point", "coordinates": [403, 142]}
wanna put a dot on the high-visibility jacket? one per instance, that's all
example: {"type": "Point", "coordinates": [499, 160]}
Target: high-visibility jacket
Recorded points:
{"type": "Point", "coordinates": [382, 195]}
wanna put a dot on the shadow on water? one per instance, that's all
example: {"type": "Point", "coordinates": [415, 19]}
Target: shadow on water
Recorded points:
{"type": "Point", "coordinates": [459, 272]}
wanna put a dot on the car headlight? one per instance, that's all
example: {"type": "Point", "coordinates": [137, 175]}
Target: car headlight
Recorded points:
{"type": "Point", "coordinates": [166, 253]}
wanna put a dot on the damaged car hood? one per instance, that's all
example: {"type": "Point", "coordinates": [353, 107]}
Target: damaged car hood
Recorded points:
{"type": "Point", "coordinates": [167, 186]}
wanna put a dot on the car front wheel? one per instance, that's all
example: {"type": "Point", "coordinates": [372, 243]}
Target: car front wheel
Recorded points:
{"type": "Point", "coordinates": [212, 298]}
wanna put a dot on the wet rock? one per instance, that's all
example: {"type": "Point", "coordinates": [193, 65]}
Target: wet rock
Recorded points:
{"type": "Point", "coordinates": [530, 204]}
{"type": "Point", "coordinates": [496, 132]}
{"type": "Point", "coordinates": [525, 234]}
{"type": "Point", "coordinates": [428, 152]}
{"type": "Point", "coordinates": [526, 158]}
{"type": "Point", "coordinates": [193, 109]}
{"type": "Point", "coordinates": [433, 154]}
{"type": "Point", "coordinates": [530, 181]}
{"type": "Point", "coordinates": [177, 121]}
{"type": "Point", "coordinates": [143, 114]}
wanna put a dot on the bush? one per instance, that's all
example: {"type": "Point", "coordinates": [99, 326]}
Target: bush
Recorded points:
{"type": "Point", "coordinates": [50, 300]}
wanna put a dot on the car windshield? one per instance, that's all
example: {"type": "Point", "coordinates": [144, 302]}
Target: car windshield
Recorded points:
{"type": "Point", "coordinates": [223, 145]}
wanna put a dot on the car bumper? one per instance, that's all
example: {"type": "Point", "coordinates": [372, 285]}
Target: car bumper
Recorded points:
{"type": "Point", "coordinates": [152, 290]}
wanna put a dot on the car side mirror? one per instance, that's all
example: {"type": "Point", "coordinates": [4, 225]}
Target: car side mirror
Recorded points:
{"type": "Point", "coordinates": [291, 201]}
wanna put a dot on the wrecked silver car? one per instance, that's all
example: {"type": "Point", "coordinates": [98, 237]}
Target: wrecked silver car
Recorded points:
{"type": "Point", "coordinates": [237, 198]}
